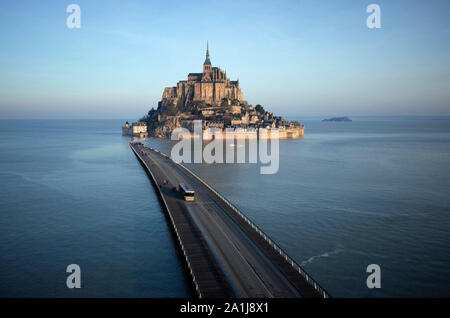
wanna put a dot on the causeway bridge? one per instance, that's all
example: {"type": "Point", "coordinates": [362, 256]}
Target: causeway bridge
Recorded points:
{"type": "Point", "coordinates": [227, 254]}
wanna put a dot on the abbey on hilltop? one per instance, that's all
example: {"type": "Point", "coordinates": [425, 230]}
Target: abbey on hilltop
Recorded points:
{"type": "Point", "coordinates": [210, 87]}
{"type": "Point", "coordinates": [215, 100]}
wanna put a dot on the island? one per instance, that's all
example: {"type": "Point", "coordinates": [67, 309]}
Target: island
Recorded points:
{"type": "Point", "coordinates": [339, 119]}
{"type": "Point", "coordinates": [214, 99]}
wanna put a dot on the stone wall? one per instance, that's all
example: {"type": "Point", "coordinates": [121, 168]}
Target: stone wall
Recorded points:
{"type": "Point", "coordinates": [210, 88]}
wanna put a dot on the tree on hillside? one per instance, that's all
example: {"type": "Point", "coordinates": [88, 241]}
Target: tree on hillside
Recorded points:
{"type": "Point", "coordinates": [151, 112]}
{"type": "Point", "coordinates": [259, 109]}
{"type": "Point", "coordinates": [200, 104]}
{"type": "Point", "coordinates": [224, 102]}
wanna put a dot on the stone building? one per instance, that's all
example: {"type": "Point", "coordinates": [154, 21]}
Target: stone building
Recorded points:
{"type": "Point", "coordinates": [126, 129]}
{"type": "Point", "coordinates": [137, 129]}
{"type": "Point", "coordinates": [236, 109]}
{"type": "Point", "coordinates": [210, 87]}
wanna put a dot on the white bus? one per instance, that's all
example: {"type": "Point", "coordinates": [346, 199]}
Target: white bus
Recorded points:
{"type": "Point", "coordinates": [186, 192]}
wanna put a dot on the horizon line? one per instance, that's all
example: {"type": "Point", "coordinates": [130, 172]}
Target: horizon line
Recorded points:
{"type": "Point", "coordinates": [304, 116]}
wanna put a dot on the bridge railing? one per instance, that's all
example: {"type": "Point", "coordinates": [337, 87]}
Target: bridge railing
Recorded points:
{"type": "Point", "coordinates": [197, 288]}
{"type": "Point", "coordinates": [277, 248]}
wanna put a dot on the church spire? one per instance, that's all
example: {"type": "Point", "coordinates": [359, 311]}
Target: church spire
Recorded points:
{"type": "Point", "coordinates": [207, 60]}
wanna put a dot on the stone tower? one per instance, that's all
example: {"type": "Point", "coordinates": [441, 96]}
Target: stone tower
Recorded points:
{"type": "Point", "coordinates": [211, 87]}
{"type": "Point", "coordinates": [207, 67]}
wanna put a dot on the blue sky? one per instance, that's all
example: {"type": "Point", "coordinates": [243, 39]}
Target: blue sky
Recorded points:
{"type": "Point", "coordinates": [296, 58]}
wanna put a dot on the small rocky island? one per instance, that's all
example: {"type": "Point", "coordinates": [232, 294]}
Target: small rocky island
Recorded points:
{"type": "Point", "coordinates": [209, 96]}
{"type": "Point", "coordinates": [339, 119]}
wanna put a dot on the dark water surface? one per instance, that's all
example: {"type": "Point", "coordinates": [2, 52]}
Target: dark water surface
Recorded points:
{"type": "Point", "coordinates": [375, 190]}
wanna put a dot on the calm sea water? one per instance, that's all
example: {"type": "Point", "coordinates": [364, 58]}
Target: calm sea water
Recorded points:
{"type": "Point", "coordinates": [373, 191]}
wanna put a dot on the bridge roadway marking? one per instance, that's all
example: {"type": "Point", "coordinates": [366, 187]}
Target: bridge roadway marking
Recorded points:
{"type": "Point", "coordinates": [209, 279]}
{"type": "Point", "coordinates": [266, 291]}
{"type": "Point", "coordinates": [246, 289]}
{"type": "Point", "coordinates": [253, 274]}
